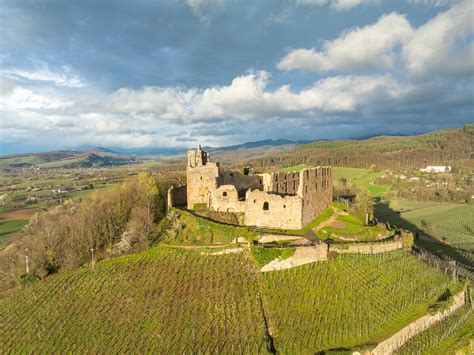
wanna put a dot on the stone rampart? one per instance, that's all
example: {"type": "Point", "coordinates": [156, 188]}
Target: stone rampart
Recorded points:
{"type": "Point", "coordinates": [390, 345]}
{"type": "Point", "coordinates": [366, 248]}
{"type": "Point", "coordinates": [302, 255]}
{"type": "Point", "coordinates": [177, 196]}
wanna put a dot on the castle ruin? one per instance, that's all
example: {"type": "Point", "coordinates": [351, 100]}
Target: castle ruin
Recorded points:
{"type": "Point", "coordinates": [276, 200]}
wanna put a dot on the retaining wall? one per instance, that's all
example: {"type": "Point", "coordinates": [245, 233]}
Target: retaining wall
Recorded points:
{"type": "Point", "coordinates": [414, 328]}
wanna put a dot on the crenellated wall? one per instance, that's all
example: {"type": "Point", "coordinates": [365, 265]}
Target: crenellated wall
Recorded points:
{"type": "Point", "coordinates": [293, 199]}
{"type": "Point", "coordinates": [315, 188]}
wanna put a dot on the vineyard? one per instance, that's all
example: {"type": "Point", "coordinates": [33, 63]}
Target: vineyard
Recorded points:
{"type": "Point", "coordinates": [169, 300]}
{"type": "Point", "coordinates": [349, 302]}
{"type": "Point", "coordinates": [160, 301]}
{"type": "Point", "coordinates": [452, 224]}
{"type": "Point", "coordinates": [451, 334]}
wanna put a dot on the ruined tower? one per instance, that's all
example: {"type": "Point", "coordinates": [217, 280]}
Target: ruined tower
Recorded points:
{"type": "Point", "coordinates": [201, 177]}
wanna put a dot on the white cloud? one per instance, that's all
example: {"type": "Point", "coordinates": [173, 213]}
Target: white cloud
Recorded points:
{"type": "Point", "coordinates": [444, 44]}
{"type": "Point", "coordinates": [19, 98]}
{"type": "Point", "coordinates": [339, 5]}
{"type": "Point", "coordinates": [65, 77]}
{"type": "Point", "coordinates": [359, 48]}
{"type": "Point", "coordinates": [206, 9]}
{"type": "Point", "coordinates": [247, 98]}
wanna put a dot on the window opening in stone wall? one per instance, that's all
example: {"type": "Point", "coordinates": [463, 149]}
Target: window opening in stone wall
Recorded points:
{"type": "Point", "coordinates": [254, 201]}
{"type": "Point", "coordinates": [266, 206]}
{"type": "Point", "coordinates": [224, 193]}
{"type": "Point", "coordinates": [306, 188]}
{"type": "Point", "coordinates": [284, 206]}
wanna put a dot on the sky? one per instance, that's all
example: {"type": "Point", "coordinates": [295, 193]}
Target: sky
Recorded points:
{"type": "Point", "coordinates": [137, 74]}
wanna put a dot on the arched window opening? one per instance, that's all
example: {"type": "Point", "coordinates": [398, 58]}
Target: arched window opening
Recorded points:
{"type": "Point", "coordinates": [266, 206]}
{"type": "Point", "coordinates": [284, 206]}
{"type": "Point", "coordinates": [224, 193]}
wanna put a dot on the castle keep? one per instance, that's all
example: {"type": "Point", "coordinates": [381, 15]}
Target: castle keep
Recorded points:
{"type": "Point", "coordinates": [277, 200]}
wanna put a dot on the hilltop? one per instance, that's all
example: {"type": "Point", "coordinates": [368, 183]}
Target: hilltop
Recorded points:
{"type": "Point", "coordinates": [444, 147]}
{"type": "Point", "coordinates": [95, 157]}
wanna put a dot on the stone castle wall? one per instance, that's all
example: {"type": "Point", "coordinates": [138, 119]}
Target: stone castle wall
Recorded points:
{"type": "Point", "coordinates": [283, 211]}
{"type": "Point", "coordinates": [240, 181]}
{"type": "Point", "coordinates": [177, 196]}
{"type": "Point", "coordinates": [366, 248]}
{"type": "Point", "coordinates": [201, 182]}
{"type": "Point", "coordinates": [279, 200]}
{"type": "Point", "coordinates": [315, 187]}
{"type": "Point", "coordinates": [226, 199]}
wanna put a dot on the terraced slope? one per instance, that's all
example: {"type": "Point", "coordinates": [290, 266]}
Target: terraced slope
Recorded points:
{"type": "Point", "coordinates": [352, 301]}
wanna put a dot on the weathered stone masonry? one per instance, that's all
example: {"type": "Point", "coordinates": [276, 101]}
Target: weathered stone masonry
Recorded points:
{"type": "Point", "coordinates": [278, 200]}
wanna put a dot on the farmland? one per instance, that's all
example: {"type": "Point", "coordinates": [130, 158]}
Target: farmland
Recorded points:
{"type": "Point", "coordinates": [173, 300]}
{"type": "Point", "coordinates": [450, 224]}
{"type": "Point", "coordinates": [163, 300]}
{"type": "Point", "coordinates": [348, 302]}
{"type": "Point", "coordinates": [8, 228]}
{"type": "Point", "coordinates": [445, 337]}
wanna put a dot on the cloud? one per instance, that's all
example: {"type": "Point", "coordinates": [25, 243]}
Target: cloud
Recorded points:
{"type": "Point", "coordinates": [280, 18]}
{"type": "Point", "coordinates": [17, 98]}
{"type": "Point", "coordinates": [443, 44]}
{"type": "Point", "coordinates": [64, 78]}
{"type": "Point", "coordinates": [365, 47]}
{"type": "Point", "coordinates": [339, 5]}
{"type": "Point", "coordinates": [206, 9]}
{"type": "Point", "coordinates": [247, 98]}
{"type": "Point", "coordinates": [432, 3]}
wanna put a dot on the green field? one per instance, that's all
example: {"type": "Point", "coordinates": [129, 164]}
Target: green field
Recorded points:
{"type": "Point", "coordinates": [8, 229]}
{"type": "Point", "coordinates": [452, 223]}
{"type": "Point", "coordinates": [453, 333]}
{"type": "Point", "coordinates": [362, 178]}
{"type": "Point", "coordinates": [349, 302]}
{"type": "Point", "coordinates": [161, 301]}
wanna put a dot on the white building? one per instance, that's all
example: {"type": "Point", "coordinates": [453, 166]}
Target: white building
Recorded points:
{"type": "Point", "coordinates": [436, 169]}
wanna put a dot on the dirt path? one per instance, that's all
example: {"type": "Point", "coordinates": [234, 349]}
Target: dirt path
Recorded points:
{"type": "Point", "coordinates": [330, 221]}
{"type": "Point", "coordinates": [213, 246]}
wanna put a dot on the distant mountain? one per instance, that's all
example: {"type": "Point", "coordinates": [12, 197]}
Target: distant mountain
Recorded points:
{"type": "Point", "coordinates": [453, 146]}
{"type": "Point", "coordinates": [257, 144]}
{"type": "Point", "coordinates": [94, 157]}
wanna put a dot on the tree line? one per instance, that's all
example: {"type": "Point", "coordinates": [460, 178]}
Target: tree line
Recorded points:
{"type": "Point", "coordinates": [119, 221]}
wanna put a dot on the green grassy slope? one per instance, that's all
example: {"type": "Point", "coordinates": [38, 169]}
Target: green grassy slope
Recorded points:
{"type": "Point", "coordinates": [187, 229]}
{"type": "Point", "coordinates": [168, 300]}
{"type": "Point", "coordinates": [350, 301]}
{"type": "Point", "coordinates": [9, 228]}
{"type": "Point", "coordinates": [160, 301]}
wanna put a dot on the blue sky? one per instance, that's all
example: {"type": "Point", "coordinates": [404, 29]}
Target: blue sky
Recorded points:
{"type": "Point", "coordinates": [134, 74]}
